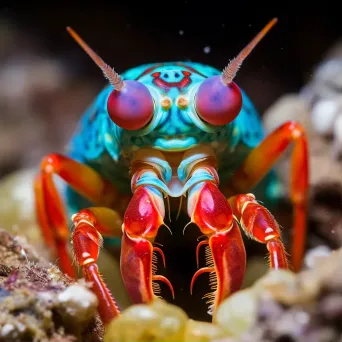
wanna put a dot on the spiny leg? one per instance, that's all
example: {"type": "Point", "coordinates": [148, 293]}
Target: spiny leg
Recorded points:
{"type": "Point", "coordinates": [89, 226]}
{"type": "Point", "coordinates": [226, 255]}
{"type": "Point", "coordinates": [259, 224]}
{"type": "Point", "coordinates": [50, 210]}
{"type": "Point", "coordinates": [259, 162]}
{"type": "Point", "coordinates": [142, 220]}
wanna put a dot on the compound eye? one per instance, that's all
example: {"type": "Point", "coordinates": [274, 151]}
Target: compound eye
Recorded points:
{"type": "Point", "coordinates": [217, 103]}
{"type": "Point", "coordinates": [132, 107]}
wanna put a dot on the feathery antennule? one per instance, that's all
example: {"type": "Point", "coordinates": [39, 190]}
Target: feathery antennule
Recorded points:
{"type": "Point", "coordinates": [113, 77]}
{"type": "Point", "coordinates": [230, 71]}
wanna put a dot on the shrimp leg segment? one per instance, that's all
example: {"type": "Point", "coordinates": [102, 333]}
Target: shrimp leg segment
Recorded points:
{"type": "Point", "coordinates": [143, 218]}
{"type": "Point", "coordinates": [210, 210]}
{"type": "Point", "coordinates": [89, 227]}
{"type": "Point", "coordinates": [261, 160]}
{"type": "Point", "coordinates": [50, 210]}
{"type": "Point", "coordinates": [258, 223]}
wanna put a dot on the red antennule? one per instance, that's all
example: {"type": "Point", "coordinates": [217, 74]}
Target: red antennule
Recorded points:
{"type": "Point", "coordinates": [130, 104]}
{"type": "Point", "coordinates": [113, 77]}
{"type": "Point", "coordinates": [229, 72]}
{"type": "Point", "coordinates": [218, 99]}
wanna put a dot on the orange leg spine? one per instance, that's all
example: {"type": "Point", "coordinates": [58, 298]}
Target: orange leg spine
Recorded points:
{"type": "Point", "coordinates": [259, 162]}
{"type": "Point", "coordinates": [260, 225]}
{"type": "Point", "coordinates": [50, 210]}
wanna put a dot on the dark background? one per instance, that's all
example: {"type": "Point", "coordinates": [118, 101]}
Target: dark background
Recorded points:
{"type": "Point", "coordinates": [127, 33]}
{"type": "Point", "coordinates": [130, 33]}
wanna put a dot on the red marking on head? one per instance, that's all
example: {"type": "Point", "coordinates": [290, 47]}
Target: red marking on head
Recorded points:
{"type": "Point", "coordinates": [184, 82]}
{"type": "Point", "coordinates": [186, 73]}
{"type": "Point", "coordinates": [148, 70]}
{"type": "Point", "coordinates": [193, 70]}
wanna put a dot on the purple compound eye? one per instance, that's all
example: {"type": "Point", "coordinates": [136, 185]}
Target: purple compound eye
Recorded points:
{"type": "Point", "coordinates": [218, 103]}
{"type": "Point", "coordinates": [132, 107]}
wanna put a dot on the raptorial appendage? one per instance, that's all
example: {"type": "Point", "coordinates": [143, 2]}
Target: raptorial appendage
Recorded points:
{"type": "Point", "coordinates": [50, 210]}
{"type": "Point", "coordinates": [143, 218]}
{"type": "Point", "coordinates": [89, 226]}
{"type": "Point", "coordinates": [260, 161]}
{"type": "Point", "coordinates": [219, 220]}
{"type": "Point", "coordinates": [260, 225]}
{"type": "Point", "coordinates": [225, 253]}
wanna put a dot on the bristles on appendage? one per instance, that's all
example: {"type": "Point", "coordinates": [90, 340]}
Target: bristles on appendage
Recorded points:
{"type": "Point", "coordinates": [155, 286]}
{"type": "Point", "coordinates": [230, 71]}
{"type": "Point", "coordinates": [208, 257]}
{"type": "Point", "coordinates": [154, 263]}
{"type": "Point", "coordinates": [156, 289]}
{"type": "Point", "coordinates": [212, 281]}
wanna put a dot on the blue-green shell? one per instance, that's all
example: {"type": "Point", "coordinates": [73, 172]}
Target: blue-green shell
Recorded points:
{"type": "Point", "coordinates": [99, 143]}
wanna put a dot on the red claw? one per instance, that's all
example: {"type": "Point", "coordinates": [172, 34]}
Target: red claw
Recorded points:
{"type": "Point", "coordinates": [160, 251]}
{"type": "Point", "coordinates": [228, 262]}
{"type": "Point", "coordinates": [198, 273]}
{"type": "Point", "coordinates": [210, 210]}
{"type": "Point", "coordinates": [144, 216]}
{"type": "Point", "coordinates": [136, 268]}
{"type": "Point", "coordinates": [165, 281]}
{"type": "Point", "coordinates": [202, 243]}
{"type": "Point", "coordinates": [229, 257]}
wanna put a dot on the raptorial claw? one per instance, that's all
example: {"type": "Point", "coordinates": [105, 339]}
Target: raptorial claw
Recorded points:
{"type": "Point", "coordinates": [209, 209]}
{"type": "Point", "coordinates": [202, 243]}
{"type": "Point", "coordinates": [198, 273]}
{"type": "Point", "coordinates": [160, 251]}
{"type": "Point", "coordinates": [226, 256]}
{"type": "Point", "coordinates": [166, 281]}
{"type": "Point", "coordinates": [227, 259]}
{"type": "Point", "coordinates": [136, 268]}
{"type": "Point", "coordinates": [144, 216]}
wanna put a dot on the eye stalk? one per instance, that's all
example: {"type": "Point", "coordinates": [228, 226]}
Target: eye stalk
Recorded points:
{"type": "Point", "coordinates": [130, 104]}
{"type": "Point", "coordinates": [218, 99]}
